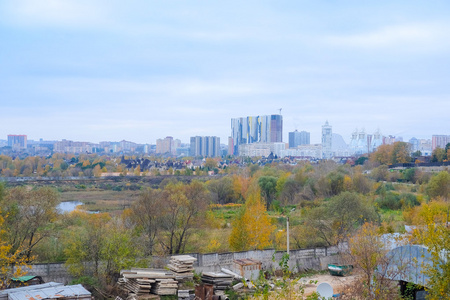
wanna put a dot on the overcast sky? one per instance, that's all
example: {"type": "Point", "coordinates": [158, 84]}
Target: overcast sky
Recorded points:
{"type": "Point", "coordinates": [90, 70]}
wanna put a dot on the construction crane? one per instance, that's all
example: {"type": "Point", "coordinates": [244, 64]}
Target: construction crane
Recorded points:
{"type": "Point", "coordinates": [280, 110]}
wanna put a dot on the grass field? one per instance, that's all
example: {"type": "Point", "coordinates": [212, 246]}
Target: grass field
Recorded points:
{"type": "Point", "coordinates": [103, 201]}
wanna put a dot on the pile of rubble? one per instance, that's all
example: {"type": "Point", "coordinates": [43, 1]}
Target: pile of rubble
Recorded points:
{"type": "Point", "coordinates": [145, 281]}
{"type": "Point", "coordinates": [182, 266]}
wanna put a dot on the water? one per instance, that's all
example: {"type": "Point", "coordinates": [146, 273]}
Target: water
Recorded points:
{"type": "Point", "coordinates": [68, 206]}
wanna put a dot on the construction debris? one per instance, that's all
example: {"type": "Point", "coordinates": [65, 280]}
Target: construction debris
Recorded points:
{"type": "Point", "coordinates": [182, 266]}
{"type": "Point", "coordinates": [220, 280]}
{"type": "Point", "coordinates": [145, 281]}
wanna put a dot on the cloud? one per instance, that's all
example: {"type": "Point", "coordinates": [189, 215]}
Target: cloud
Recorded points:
{"type": "Point", "coordinates": [420, 36]}
{"type": "Point", "coordinates": [55, 13]}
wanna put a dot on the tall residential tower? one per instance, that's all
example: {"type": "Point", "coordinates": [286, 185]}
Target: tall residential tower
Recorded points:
{"type": "Point", "coordinates": [256, 129]}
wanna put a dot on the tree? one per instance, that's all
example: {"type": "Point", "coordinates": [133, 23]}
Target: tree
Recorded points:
{"type": "Point", "coordinates": [367, 252]}
{"type": "Point", "coordinates": [252, 227]}
{"type": "Point", "coordinates": [400, 153]}
{"type": "Point", "coordinates": [438, 155]}
{"type": "Point", "coordinates": [339, 217]}
{"type": "Point", "coordinates": [147, 214]}
{"type": "Point", "coordinates": [30, 216]}
{"type": "Point", "coordinates": [435, 235]}
{"type": "Point", "coordinates": [439, 185]}
{"type": "Point", "coordinates": [99, 246]}
{"type": "Point", "coordinates": [8, 257]}
{"type": "Point", "coordinates": [221, 190]}
{"type": "Point", "coordinates": [181, 204]}
{"type": "Point", "coordinates": [268, 186]}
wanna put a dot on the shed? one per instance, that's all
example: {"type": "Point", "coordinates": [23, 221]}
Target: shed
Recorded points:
{"type": "Point", "coordinates": [247, 267]}
{"type": "Point", "coordinates": [4, 293]}
{"type": "Point", "coordinates": [25, 281]}
{"type": "Point", "coordinates": [68, 292]}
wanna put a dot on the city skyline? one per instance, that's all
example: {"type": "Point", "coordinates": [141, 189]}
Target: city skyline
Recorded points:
{"type": "Point", "coordinates": [140, 71]}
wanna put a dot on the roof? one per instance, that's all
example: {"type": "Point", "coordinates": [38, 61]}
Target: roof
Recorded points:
{"type": "Point", "coordinates": [25, 278]}
{"type": "Point", "coordinates": [4, 293]}
{"type": "Point", "coordinates": [407, 263]}
{"type": "Point", "coordinates": [75, 291]}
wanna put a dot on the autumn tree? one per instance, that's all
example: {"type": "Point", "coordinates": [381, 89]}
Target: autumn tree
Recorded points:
{"type": "Point", "coordinates": [336, 219]}
{"type": "Point", "coordinates": [439, 185]}
{"type": "Point", "coordinates": [181, 205]}
{"type": "Point", "coordinates": [221, 190]}
{"type": "Point", "coordinates": [99, 246]}
{"type": "Point", "coordinates": [8, 257]}
{"type": "Point", "coordinates": [435, 235]}
{"type": "Point", "coordinates": [367, 252]}
{"type": "Point", "coordinates": [438, 155]}
{"type": "Point", "coordinates": [147, 214]}
{"type": "Point", "coordinates": [252, 226]}
{"type": "Point", "coordinates": [30, 215]}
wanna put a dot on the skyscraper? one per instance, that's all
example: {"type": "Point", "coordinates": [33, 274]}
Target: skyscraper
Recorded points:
{"type": "Point", "coordinates": [255, 129]}
{"type": "Point", "coordinates": [327, 137]}
{"type": "Point", "coordinates": [18, 141]}
{"type": "Point", "coordinates": [298, 138]}
{"type": "Point", "coordinates": [208, 146]}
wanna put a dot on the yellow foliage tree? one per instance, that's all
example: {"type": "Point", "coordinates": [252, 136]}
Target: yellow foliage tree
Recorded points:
{"type": "Point", "coordinates": [252, 227]}
{"type": "Point", "coordinates": [11, 265]}
{"type": "Point", "coordinates": [435, 235]}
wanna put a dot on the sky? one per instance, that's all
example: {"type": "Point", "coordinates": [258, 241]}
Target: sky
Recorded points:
{"type": "Point", "coordinates": [93, 70]}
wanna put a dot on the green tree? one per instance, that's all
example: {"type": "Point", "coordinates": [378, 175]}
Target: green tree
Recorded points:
{"type": "Point", "coordinates": [268, 186]}
{"type": "Point", "coordinates": [439, 185]}
{"type": "Point", "coordinates": [31, 214]}
{"type": "Point", "coordinates": [339, 217]}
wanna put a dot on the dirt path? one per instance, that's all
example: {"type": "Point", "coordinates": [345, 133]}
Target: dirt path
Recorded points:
{"type": "Point", "coordinates": [336, 282]}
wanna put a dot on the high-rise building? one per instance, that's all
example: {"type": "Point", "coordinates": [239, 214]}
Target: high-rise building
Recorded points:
{"type": "Point", "coordinates": [167, 145]}
{"type": "Point", "coordinates": [439, 141]}
{"type": "Point", "coordinates": [208, 146]}
{"type": "Point", "coordinates": [256, 129]}
{"type": "Point", "coordinates": [298, 138]}
{"type": "Point", "coordinates": [17, 141]}
{"type": "Point", "coordinates": [327, 138]}
{"type": "Point", "coordinates": [164, 146]}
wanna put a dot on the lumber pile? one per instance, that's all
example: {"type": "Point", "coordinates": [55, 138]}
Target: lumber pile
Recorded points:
{"type": "Point", "coordinates": [182, 266]}
{"type": "Point", "coordinates": [145, 281]}
{"type": "Point", "coordinates": [220, 280]}
{"type": "Point", "coordinates": [165, 287]}
{"type": "Point", "coordinates": [183, 295]}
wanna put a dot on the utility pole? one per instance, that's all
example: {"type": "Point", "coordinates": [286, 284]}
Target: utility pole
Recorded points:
{"type": "Point", "coordinates": [287, 231]}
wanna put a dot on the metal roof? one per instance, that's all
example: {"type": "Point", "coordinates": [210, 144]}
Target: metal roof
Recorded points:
{"type": "Point", "coordinates": [51, 293]}
{"type": "Point", "coordinates": [407, 263]}
{"type": "Point", "coordinates": [4, 293]}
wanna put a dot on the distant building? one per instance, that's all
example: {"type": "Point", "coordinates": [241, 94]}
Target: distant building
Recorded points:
{"type": "Point", "coordinates": [207, 146]}
{"type": "Point", "coordinates": [327, 140]}
{"type": "Point", "coordinates": [304, 152]}
{"type": "Point", "coordinates": [439, 141]}
{"type": "Point", "coordinates": [414, 144]}
{"type": "Point", "coordinates": [298, 138]}
{"type": "Point", "coordinates": [17, 141]}
{"type": "Point", "coordinates": [230, 146]}
{"type": "Point", "coordinates": [256, 129]}
{"type": "Point", "coordinates": [66, 146]}
{"type": "Point", "coordinates": [361, 142]}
